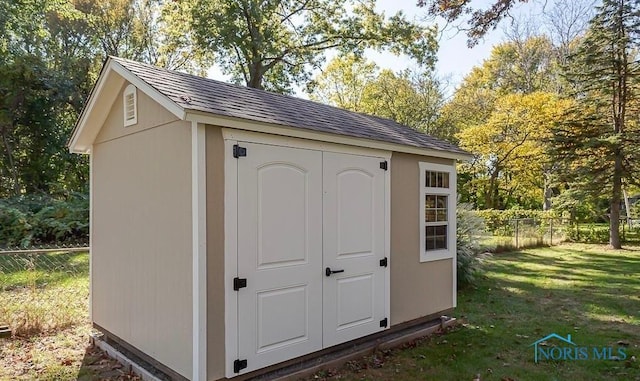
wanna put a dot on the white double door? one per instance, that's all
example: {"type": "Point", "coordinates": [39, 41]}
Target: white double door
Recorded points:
{"type": "Point", "coordinates": [311, 237]}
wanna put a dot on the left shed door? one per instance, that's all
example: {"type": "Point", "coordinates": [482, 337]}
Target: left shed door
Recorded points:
{"type": "Point", "coordinates": [279, 253]}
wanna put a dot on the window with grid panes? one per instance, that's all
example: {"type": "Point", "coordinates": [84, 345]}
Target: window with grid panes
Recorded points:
{"type": "Point", "coordinates": [437, 193]}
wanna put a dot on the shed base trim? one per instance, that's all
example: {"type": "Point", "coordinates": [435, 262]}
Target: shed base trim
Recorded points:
{"type": "Point", "coordinates": [338, 355]}
{"type": "Point", "coordinates": [397, 335]}
{"type": "Point", "coordinates": [136, 358]}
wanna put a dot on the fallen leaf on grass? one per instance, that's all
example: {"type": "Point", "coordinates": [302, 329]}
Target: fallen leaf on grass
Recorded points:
{"type": "Point", "coordinates": [67, 362]}
{"type": "Point", "coordinates": [116, 366]}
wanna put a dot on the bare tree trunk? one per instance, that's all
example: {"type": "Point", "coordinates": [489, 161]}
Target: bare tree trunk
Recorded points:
{"type": "Point", "coordinates": [255, 81]}
{"type": "Point", "coordinates": [548, 193]}
{"type": "Point", "coordinates": [491, 195]}
{"type": "Point", "coordinates": [256, 75]}
{"type": "Point", "coordinates": [614, 223]}
{"type": "Point", "coordinates": [12, 166]}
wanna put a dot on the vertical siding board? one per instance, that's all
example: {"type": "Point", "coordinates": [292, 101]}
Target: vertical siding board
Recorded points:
{"type": "Point", "coordinates": [215, 253]}
{"type": "Point", "coordinates": [142, 252]}
{"type": "Point", "coordinates": [417, 289]}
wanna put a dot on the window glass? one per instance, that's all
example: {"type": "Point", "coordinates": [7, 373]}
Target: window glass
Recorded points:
{"type": "Point", "coordinates": [436, 237]}
{"type": "Point", "coordinates": [435, 214]}
{"type": "Point", "coordinates": [435, 208]}
{"type": "Point", "coordinates": [435, 179]}
{"type": "Point", "coordinates": [437, 219]}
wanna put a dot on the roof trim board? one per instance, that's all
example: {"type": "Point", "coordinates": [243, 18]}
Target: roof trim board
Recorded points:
{"type": "Point", "coordinates": [92, 117]}
{"type": "Point", "coordinates": [157, 96]}
{"type": "Point", "coordinates": [293, 132]}
{"type": "Point", "coordinates": [216, 103]}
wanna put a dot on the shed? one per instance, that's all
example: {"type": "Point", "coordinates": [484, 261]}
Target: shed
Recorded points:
{"type": "Point", "coordinates": [233, 229]}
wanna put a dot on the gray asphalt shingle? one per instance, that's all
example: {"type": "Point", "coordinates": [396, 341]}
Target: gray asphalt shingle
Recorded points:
{"type": "Point", "coordinates": [220, 98]}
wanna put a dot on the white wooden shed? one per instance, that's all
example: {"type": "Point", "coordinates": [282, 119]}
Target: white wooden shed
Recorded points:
{"type": "Point", "coordinates": [234, 229]}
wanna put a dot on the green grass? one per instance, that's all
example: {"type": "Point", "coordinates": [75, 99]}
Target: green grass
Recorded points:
{"type": "Point", "coordinates": [44, 300]}
{"type": "Point", "coordinates": [27, 270]}
{"type": "Point", "coordinates": [599, 233]}
{"type": "Point", "coordinates": [588, 291]}
{"type": "Point", "coordinates": [43, 293]}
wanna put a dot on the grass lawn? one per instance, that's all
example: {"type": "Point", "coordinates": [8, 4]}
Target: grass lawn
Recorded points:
{"type": "Point", "coordinates": [44, 293]}
{"type": "Point", "coordinates": [587, 291]}
{"type": "Point", "coordinates": [45, 300]}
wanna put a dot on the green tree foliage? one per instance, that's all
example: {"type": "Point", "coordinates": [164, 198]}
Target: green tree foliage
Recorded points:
{"type": "Point", "coordinates": [496, 109]}
{"type": "Point", "coordinates": [409, 97]}
{"type": "Point", "coordinates": [42, 220]}
{"type": "Point", "coordinates": [276, 44]}
{"type": "Point", "coordinates": [27, 125]}
{"type": "Point", "coordinates": [343, 82]}
{"type": "Point", "coordinates": [599, 138]}
{"type": "Point", "coordinates": [517, 66]}
{"type": "Point", "coordinates": [151, 31]}
{"type": "Point", "coordinates": [40, 85]}
{"type": "Point", "coordinates": [509, 152]}
{"type": "Point", "coordinates": [50, 55]}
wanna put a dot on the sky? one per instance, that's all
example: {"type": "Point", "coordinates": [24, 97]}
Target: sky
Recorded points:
{"type": "Point", "coordinates": [455, 59]}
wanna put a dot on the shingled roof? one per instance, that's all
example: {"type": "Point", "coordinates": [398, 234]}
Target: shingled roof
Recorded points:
{"type": "Point", "coordinates": [207, 95]}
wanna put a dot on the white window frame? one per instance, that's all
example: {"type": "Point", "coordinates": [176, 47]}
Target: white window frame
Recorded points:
{"type": "Point", "coordinates": [450, 251]}
{"type": "Point", "coordinates": [128, 91]}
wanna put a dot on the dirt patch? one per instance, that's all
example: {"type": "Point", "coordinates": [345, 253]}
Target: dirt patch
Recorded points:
{"type": "Point", "coordinates": [64, 355]}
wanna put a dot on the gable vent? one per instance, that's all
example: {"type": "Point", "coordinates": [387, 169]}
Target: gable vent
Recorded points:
{"type": "Point", "coordinates": [130, 106]}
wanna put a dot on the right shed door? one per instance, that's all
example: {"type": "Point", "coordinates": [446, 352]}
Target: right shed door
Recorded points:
{"type": "Point", "coordinates": [353, 247]}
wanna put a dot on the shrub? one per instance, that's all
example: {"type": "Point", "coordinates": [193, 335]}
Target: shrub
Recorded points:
{"type": "Point", "coordinates": [62, 221]}
{"type": "Point", "coordinates": [471, 229]}
{"type": "Point", "coordinates": [588, 233]}
{"type": "Point", "coordinates": [498, 220]}
{"type": "Point", "coordinates": [16, 229]}
{"type": "Point", "coordinates": [635, 210]}
{"type": "Point", "coordinates": [42, 220]}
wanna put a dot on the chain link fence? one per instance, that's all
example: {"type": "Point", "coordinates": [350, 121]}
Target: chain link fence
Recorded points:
{"type": "Point", "coordinates": [527, 232]}
{"type": "Point", "coordinates": [43, 290]}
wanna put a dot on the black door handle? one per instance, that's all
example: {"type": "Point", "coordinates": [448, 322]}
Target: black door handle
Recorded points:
{"type": "Point", "coordinates": [328, 271]}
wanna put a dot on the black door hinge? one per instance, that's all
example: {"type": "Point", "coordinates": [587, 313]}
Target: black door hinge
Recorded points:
{"type": "Point", "coordinates": [238, 365]}
{"type": "Point", "coordinates": [384, 165]}
{"type": "Point", "coordinates": [384, 323]}
{"type": "Point", "coordinates": [239, 283]}
{"type": "Point", "coordinates": [384, 262]}
{"type": "Point", "coordinates": [239, 151]}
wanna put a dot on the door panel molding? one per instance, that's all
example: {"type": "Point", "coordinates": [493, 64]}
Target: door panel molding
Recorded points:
{"type": "Point", "coordinates": [268, 340]}
{"type": "Point", "coordinates": [354, 210]}
{"type": "Point", "coordinates": [279, 253]}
